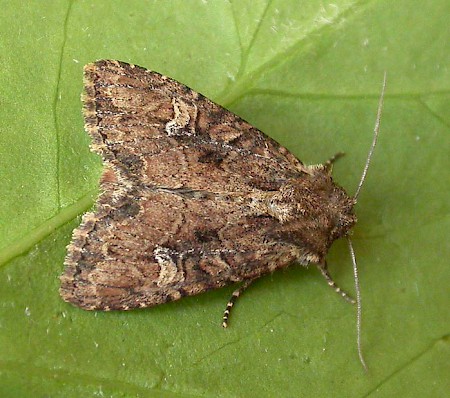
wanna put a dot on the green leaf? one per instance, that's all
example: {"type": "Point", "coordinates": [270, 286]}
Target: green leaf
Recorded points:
{"type": "Point", "coordinates": [308, 74]}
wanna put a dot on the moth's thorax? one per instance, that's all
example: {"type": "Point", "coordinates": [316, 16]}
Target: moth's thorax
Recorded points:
{"type": "Point", "coordinates": [313, 211]}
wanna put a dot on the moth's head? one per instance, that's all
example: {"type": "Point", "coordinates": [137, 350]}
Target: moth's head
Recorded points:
{"type": "Point", "coordinates": [313, 211]}
{"type": "Point", "coordinates": [328, 207]}
{"type": "Point", "coordinates": [337, 212]}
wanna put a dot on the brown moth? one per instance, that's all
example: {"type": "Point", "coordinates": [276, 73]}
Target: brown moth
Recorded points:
{"type": "Point", "coordinates": [192, 198]}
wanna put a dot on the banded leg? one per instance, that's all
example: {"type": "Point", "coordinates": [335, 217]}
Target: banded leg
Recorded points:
{"type": "Point", "coordinates": [324, 271]}
{"type": "Point", "coordinates": [329, 163]}
{"type": "Point", "coordinates": [233, 298]}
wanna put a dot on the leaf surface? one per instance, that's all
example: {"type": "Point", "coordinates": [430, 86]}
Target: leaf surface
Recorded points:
{"type": "Point", "coordinates": [307, 74]}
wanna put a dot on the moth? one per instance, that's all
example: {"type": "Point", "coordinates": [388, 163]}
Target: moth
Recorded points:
{"type": "Point", "coordinates": [192, 198]}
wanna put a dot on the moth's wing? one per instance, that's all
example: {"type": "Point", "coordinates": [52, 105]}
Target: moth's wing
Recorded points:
{"type": "Point", "coordinates": [172, 219]}
{"type": "Point", "coordinates": [138, 120]}
{"type": "Point", "coordinates": [151, 247]}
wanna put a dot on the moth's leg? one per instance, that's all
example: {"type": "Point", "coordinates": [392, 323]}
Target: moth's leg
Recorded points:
{"type": "Point", "coordinates": [233, 299]}
{"type": "Point", "coordinates": [329, 163]}
{"type": "Point", "coordinates": [323, 268]}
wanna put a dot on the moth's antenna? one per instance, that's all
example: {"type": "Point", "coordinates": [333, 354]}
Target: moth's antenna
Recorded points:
{"type": "Point", "coordinates": [376, 130]}
{"type": "Point", "coordinates": [358, 305]}
{"type": "Point", "coordinates": [375, 137]}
